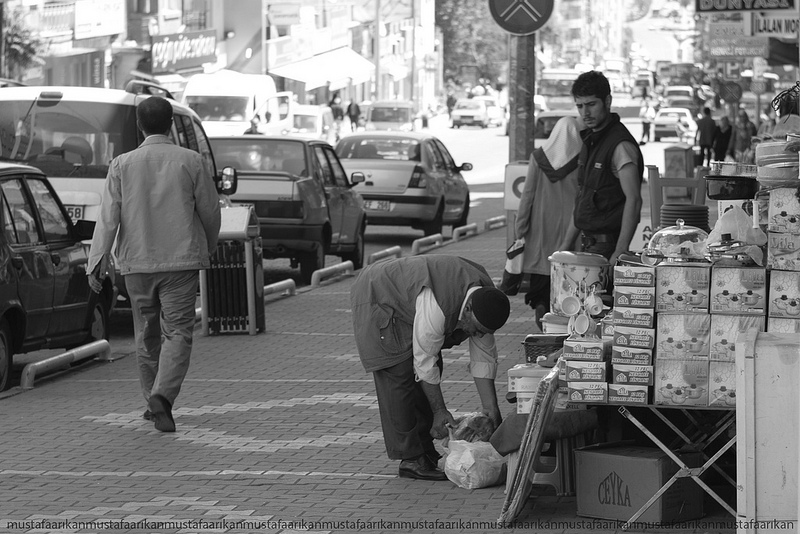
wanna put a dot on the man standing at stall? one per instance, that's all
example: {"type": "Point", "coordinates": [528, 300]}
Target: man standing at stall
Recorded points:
{"type": "Point", "coordinates": [609, 202]}
{"type": "Point", "coordinates": [405, 311]}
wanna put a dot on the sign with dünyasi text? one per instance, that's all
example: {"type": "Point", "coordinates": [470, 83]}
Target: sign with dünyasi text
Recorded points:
{"type": "Point", "coordinates": [183, 50]}
{"type": "Point", "coordinates": [726, 6]}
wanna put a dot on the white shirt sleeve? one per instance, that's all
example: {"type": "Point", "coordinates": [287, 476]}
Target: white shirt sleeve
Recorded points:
{"type": "Point", "coordinates": [428, 337]}
{"type": "Point", "coordinates": [483, 356]}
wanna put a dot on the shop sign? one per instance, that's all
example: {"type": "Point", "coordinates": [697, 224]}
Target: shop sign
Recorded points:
{"type": "Point", "coordinates": [98, 18]}
{"type": "Point", "coordinates": [782, 26]}
{"type": "Point", "coordinates": [183, 50]}
{"type": "Point", "coordinates": [737, 47]}
{"type": "Point", "coordinates": [285, 13]}
{"type": "Point", "coordinates": [725, 6]}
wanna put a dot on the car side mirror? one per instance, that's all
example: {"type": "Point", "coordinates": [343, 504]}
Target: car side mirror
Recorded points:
{"type": "Point", "coordinates": [465, 167]}
{"type": "Point", "coordinates": [357, 178]}
{"type": "Point", "coordinates": [228, 181]}
{"type": "Point", "coordinates": [84, 229]}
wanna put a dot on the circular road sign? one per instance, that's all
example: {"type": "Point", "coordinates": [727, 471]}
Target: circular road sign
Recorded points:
{"type": "Point", "coordinates": [730, 91]}
{"type": "Point", "coordinates": [758, 87]}
{"type": "Point", "coordinates": [521, 17]}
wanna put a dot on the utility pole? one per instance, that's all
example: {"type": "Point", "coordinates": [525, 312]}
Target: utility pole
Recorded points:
{"type": "Point", "coordinates": [521, 88]}
{"type": "Point", "coordinates": [2, 39]}
{"type": "Point", "coordinates": [377, 50]}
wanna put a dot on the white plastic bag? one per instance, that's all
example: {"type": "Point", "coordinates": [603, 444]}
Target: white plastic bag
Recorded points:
{"type": "Point", "coordinates": [473, 465]}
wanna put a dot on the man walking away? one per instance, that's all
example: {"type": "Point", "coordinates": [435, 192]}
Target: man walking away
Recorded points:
{"type": "Point", "coordinates": [704, 138]}
{"type": "Point", "coordinates": [354, 113]}
{"type": "Point", "coordinates": [162, 200]}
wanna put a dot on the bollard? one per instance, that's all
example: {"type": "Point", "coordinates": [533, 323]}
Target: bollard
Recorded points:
{"type": "Point", "coordinates": [464, 231]}
{"type": "Point", "coordinates": [288, 286]}
{"type": "Point", "coordinates": [435, 240]}
{"type": "Point", "coordinates": [100, 347]}
{"type": "Point", "coordinates": [495, 222]}
{"type": "Point", "coordinates": [395, 252]}
{"type": "Point", "coordinates": [319, 274]}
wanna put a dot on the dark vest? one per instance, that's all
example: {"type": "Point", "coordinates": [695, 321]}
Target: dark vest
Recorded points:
{"type": "Point", "coordinates": [601, 201]}
{"type": "Point", "coordinates": [384, 297]}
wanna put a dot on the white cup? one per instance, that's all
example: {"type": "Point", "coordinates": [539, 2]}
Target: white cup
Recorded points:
{"type": "Point", "coordinates": [593, 304]}
{"type": "Point", "coordinates": [571, 305]}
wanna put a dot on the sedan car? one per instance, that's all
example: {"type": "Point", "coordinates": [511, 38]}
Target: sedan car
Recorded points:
{"type": "Point", "coordinates": [305, 203]}
{"type": "Point", "coordinates": [674, 122]}
{"type": "Point", "coordinates": [45, 299]}
{"type": "Point", "coordinates": [546, 121]}
{"type": "Point", "coordinates": [411, 179]}
{"type": "Point", "coordinates": [470, 112]}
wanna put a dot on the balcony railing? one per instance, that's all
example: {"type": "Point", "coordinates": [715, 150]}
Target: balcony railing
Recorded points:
{"type": "Point", "coordinates": [57, 18]}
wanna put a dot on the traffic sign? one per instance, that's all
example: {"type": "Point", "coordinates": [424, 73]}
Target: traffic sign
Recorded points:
{"type": "Point", "coordinates": [521, 17]}
{"type": "Point", "coordinates": [758, 87]}
{"type": "Point", "coordinates": [730, 92]}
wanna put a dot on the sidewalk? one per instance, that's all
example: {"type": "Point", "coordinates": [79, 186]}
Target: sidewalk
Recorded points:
{"type": "Point", "coordinates": [280, 429]}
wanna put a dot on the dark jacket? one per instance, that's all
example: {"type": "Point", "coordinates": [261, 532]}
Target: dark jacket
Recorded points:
{"type": "Point", "coordinates": [384, 297]}
{"type": "Point", "coordinates": [601, 201]}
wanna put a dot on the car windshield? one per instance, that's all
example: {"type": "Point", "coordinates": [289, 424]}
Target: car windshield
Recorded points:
{"type": "Point", "coordinates": [259, 155]}
{"type": "Point", "coordinates": [561, 87]}
{"type": "Point", "coordinates": [677, 115]}
{"type": "Point", "coordinates": [66, 138]}
{"type": "Point", "coordinates": [468, 104]}
{"type": "Point", "coordinates": [395, 148]}
{"type": "Point", "coordinates": [390, 115]}
{"type": "Point", "coordinates": [305, 122]}
{"type": "Point", "coordinates": [219, 108]}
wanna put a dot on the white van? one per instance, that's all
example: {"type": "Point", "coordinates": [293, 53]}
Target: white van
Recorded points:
{"type": "Point", "coordinates": [227, 101]}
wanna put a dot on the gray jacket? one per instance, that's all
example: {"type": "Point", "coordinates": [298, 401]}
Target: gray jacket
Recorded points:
{"type": "Point", "coordinates": [164, 203]}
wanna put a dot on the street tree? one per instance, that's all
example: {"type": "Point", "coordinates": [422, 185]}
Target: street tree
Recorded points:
{"type": "Point", "coordinates": [21, 45]}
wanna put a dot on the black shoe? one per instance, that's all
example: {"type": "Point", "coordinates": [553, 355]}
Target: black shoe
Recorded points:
{"type": "Point", "coordinates": [161, 410]}
{"type": "Point", "coordinates": [148, 415]}
{"type": "Point", "coordinates": [421, 469]}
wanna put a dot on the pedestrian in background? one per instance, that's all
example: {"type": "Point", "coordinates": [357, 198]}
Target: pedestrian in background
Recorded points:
{"type": "Point", "coordinates": [161, 203]}
{"type": "Point", "coordinates": [338, 112]}
{"type": "Point", "coordinates": [405, 311]}
{"type": "Point", "coordinates": [722, 138]}
{"type": "Point", "coordinates": [545, 208]}
{"type": "Point", "coordinates": [609, 201]}
{"type": "Point", "coordinates": [743, 132]}
{"type": "Point", "coordinates": [648, 114]}
{"type": "Point", "coordinates": [354, 114]}
{"type": "Point", "coordinates": [704, 137]}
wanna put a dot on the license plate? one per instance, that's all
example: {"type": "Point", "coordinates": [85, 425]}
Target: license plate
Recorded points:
{"type": "Point", "coordinates": [377, 205]}
{"type": "Point", "coordinates": [75, 212]}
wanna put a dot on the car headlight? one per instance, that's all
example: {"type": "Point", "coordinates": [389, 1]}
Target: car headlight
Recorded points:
{"type": "Point", "coordinates": [407, 127]}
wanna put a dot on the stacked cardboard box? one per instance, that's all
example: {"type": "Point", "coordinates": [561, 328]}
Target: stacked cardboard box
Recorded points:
{"type": "Point", "coordinates": [738, 302]}
{"type": "Point", "coordinates": [634, 335]}
{"type": "Point", "coordinates": [683, 328]}
{"type": "Point", "coordinates": [783, 259]}
{"type": "Point", "coordinates": [586, 368]}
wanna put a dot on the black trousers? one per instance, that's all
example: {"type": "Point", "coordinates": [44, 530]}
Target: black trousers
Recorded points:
{"type": "Point", "coordinates": [406, 415]}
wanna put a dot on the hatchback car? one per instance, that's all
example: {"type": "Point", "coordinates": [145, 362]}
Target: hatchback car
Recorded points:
{"type": "Point", "coordinates": [45, 299]}
{"type": "Point", "coordinates": [470, 112]}
{"type": "Point", "coordinates": [674, 122]}
{"type": "Point", "coordinates": [305, 203]}
{"type": "Point", "coordinates": [493, 109]}
{"type": "Point", "coordinates": [411, 179]}
{"type": "Point", "coordinates": [546, 121]}
{"type": "Point", "coordinates": [395, 115]}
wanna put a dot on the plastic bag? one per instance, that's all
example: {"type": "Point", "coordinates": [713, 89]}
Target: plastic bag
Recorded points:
{"type": "Point", "coordinates": [473, 465]}
{"type": "Point", "coordinates": [474, 426]}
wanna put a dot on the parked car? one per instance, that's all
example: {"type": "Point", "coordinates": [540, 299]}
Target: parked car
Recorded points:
{"type": "Point", "coordinates": [71, 134]}
{"type": "Point", "coordinates": [494, 111]}
{"type": "Point", "coordinates": [303, 198]}
{"type": "Point", "coordinates": [687, 103]}
{"type": "Point", "coordinates": [470, 112]}
{"type": "Point", "coordinates": [411, 179]}
{"type": "Point", "coordinates": [45, 299]}
{"type": "Point", "coordinates": [396, 115]}
{"type": "Point", "coordinates": [674, 122]}
{"type": "Point", "coordinates": [313, 122]}
{"type": "Point", "coordinates": [679, 91]}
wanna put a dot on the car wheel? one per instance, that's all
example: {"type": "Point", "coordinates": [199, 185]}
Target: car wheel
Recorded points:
{"type": "Point", "coordinates": [434, 226]}
{"type": "Point", "coordinates": [462, 221]}
{"type": "Point", "coordinates": [5, 354]}
{"type": "Point", "coordinates": [357, 255]}
{"type": "Point", "coordinates": [98, 325]}
{"type": "Point", "coordinates": [312, 261]}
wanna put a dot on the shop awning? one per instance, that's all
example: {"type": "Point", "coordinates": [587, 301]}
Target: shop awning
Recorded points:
{"type": "Point", "coordinates": [336, 68]}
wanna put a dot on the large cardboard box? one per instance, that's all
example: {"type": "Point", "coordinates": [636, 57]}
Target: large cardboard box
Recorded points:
{"type": "Point", "coordinates": [784, 294]}
{"type": "Point", "coordinates": [784, 211]}
{"type": "Point", "coordinates": [615, 480]}
{"type": "Point", "coordinates": [683, 288]}
{"type": "Point", "coordinates": [739, 290]}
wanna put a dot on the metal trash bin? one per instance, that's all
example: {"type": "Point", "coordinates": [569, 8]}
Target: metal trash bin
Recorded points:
{"type": "Point", "coordinates": [232, 289]}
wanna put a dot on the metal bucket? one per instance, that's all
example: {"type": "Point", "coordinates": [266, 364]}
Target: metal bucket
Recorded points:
{"type": "Point", "coordinates": [575, 274]}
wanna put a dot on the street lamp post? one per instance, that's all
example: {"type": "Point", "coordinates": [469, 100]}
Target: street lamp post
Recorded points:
{"type": "Point", "coordinates": [377, 50]}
